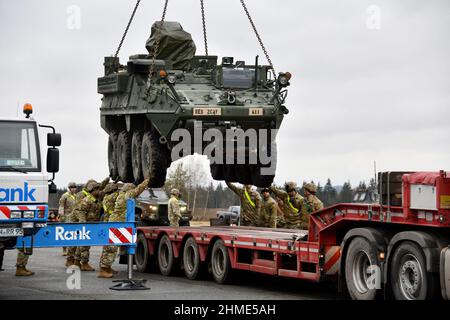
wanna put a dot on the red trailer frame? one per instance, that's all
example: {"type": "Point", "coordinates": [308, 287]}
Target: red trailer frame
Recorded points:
{"type": "Point", "coordinates": [317, 254]}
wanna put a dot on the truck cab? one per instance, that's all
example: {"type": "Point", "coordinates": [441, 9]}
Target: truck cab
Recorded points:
{"type": "Point", "coordinates": [24, 182]}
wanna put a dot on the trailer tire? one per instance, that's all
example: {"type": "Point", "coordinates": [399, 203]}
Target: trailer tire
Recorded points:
{"type": "Point", "coordinates": [112, 155]}
{"type": "Point", "coordinates": [361, 255]}
{"type": "Point", "coordinates": [220, 263]}
{"type": "Point", "coordinates": [165, 256]}
{"type": "Point", "coordinates": [141, 257]}
{"type": "Point", "coordinates": [191, 259]}
{"type": "Point", "coordinates": [124, 166]}
{"type": "Point", "coordinates": [136, 145]}
{"type": "Point", "coordinates": [408, 273]}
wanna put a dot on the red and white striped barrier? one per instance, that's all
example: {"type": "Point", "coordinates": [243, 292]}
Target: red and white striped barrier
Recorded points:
{"type": "Point", "coordinates": [121, 235]}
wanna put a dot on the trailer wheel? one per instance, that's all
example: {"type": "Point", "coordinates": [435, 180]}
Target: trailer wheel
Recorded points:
{"type": "Point", "coordinates": [112, 155]}
{"type": "Point", "coordinates": [409, 277]}
{"type": "Point", "coordinates": [141, 257]}
{"type": "Point", "coordinates": [220, 262]}
{"type": "Point", "coordinates": [136, 145]}
{"type": "Point", "coordinates": [361, 279]}
{"type": "Point", "coordinates": [153, 160]}
{"type": "Point", "coordinates": [124, 157]}
{"type": "Point", "coordinates": [165, 256]}
{"type": "Point", "coordinates": [191, 259]}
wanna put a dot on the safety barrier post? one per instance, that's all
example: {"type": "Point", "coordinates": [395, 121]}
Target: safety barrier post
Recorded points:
{"type": "Point", "coordinates": [130, 283]}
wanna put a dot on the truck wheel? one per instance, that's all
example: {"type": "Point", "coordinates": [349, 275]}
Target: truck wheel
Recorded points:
{"type": "Point", "coordinates": [191, 259]}
{"type": "Point", "coordinates": [153, 160]}
{"type": "Point", "coordinates": [112, 156]}
{"type": "Point", "coordinates": [220, 263]}
{"type": "Point", "coordinates": [358, 274]}
{"type": "Point", "coordinates": [124, 157]}
{"type": "Point", "coordinates": [165, 256]}
{"type": "Point", "coordinates": [142, 258]}
{"type": "Point", "coordinates": [409, 277]}
{"type": "Point", "coordinates": [136, 145]}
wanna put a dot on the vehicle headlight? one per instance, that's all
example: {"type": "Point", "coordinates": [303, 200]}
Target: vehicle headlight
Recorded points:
{"type": "Point", "coordinates": [153, 207]}
{"type": "Point", "coordinates": [28, 214]}
{"type": "Point", "coordinates": [153, 217]}
{"type": "Point", "coordinates": [284, 78]}
{"type": "Point", "coordinates": [172, 79]}
{"type": "Point", "coordinates": [16, 214]}
{"type": "Point", "coordinates": [183, 209]}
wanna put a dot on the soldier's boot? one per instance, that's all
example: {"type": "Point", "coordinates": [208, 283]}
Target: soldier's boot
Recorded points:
{"type": "Point", "coordinates": [23, 272]}
{"type": "Point", "coordinates": [86, 267]}
{"type": "Point", "coordinates": [70, 262]}
{"type": "Point", "coordinates": [105, 273]}
{"type": "Point", "coordinates": [114, 271]}
{"type": "Point", "coordinates": [77, 263]}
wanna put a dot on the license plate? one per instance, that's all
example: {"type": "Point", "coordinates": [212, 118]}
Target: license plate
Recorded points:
{"type": "Point", "coordinates": [207, 111]}
{"type": "Point", "coordinates": [255, 112]}
{"type": "Point", "coordinates": [11, 232]}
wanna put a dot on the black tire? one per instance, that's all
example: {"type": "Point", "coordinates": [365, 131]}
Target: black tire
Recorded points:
{"type": "Point", "coordinates": [124, 166]}
{"type": "Point", "coordinates": [142, 259]}
{"type": "Point", "coordinates": [136, 154]}
{"type": "Point", "coordinates": [220, 263]}
{"type": "Point", "coordinates": [360, 255]}
{"type": "Point", "coordinates": [154, 160]}
{"type": "Point", "coordinates": [112, 156]}
{"type": "Point", "coordinates": [217, 171]}
{"type": "Point", "coordinates": [191, 259]}
{"type": "Point", "coordinates": [165, 256]}
{"type": "Point", "coordinates": [408, 272]}
{"type": "Point", "coordinates": [260, 180]}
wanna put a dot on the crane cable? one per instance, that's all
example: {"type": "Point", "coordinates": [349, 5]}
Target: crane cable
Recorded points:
{"type": "Point", "coordinates": [258, 37]}
{"type": "Point", "coordinates": [202, 6]}
{"type": "Point", "coordinates": [128, 27]}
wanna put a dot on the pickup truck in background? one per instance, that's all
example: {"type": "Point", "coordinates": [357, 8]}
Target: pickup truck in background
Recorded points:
{"type": "Point", "coordinates": [231, 216]}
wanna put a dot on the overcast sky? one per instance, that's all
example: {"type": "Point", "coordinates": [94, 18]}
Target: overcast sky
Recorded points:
{"type": "Point", "coordinates": [371, 79]}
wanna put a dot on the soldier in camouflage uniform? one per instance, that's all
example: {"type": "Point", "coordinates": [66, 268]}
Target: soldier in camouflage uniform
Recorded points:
{"type": "Point", "coordinates": [109, 201]}
{"type": "Point", "coordinates": [311, 203]}
{"type": "Point", "coordinates": [22, 260]}
{"type": "Point", "coordinates": [66, 204]}
{"type": "Point", "coordinates": [129, 191]}
{"type": "Point", "coordinates": [87, 209]}
{"type": "Point", "coordinates": [280, 212]}
{"type": "Point", "coordinates": [250, 204]}
{"type": "Point", "coordinates": [293, 202]}
{"type": "Point", "coordinates": [268, 214]}
{"type": "Point", "coordinates": [174, 213]}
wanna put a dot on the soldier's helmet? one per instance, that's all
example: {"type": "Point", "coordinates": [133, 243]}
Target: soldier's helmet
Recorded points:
{"type": "Point", "coordinates": [175, 192]}
{"type": "Point", "coordinates": [127, 187]}
{"type": "Point", "coordinates": [72, 185]}
{"type": "Point", "coordinates": [290, 186]}
{"type": "Point", "coordinates": [265, 190]}
{"type": "Point", "coordinates": [310, 187]}
{"type": "Point", "coordinates": [91, 185]}
{"type": "Point", "coordinates": [110, 188]}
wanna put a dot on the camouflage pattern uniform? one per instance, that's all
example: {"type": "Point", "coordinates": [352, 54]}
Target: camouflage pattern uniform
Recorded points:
{"type": "Point", "coordinates": [292, 206]}
{"type": "Point", "coordinates": [311, 204]}
{"type": "Point", "coordinates": [173, 206]}
{"type": "Point", "coordinates": [109, 201]}
{"type": "Point", "coordinates": [87, 209]}
{"type": "Point", "coordinates": [129, 191]}
{"type": "Point", "coordinates": [268, 215]}
{"type": "Point", "coordinates": [250, 205]}
{"type": "Point", "coordinates": [22, 259]}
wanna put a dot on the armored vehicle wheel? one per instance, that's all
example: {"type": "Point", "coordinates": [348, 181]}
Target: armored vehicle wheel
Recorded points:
{"type": "Point", "coordinates": [243, 174]}
{"type": "Point", "coordinates": [153, 160]}
{"type": "Point", "coordinates": [136, 146]}
{"type": "Point", "coordinates": [217, 171]}
{"type": "Point", "coordinates": [124, 157]}
{"type": "Point", "coordinates": [112, 156]}
{"type": "Point", "coordinates": [259, 179]}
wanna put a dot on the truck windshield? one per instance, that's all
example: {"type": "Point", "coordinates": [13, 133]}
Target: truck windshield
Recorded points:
{"type": "Point", "coordinates": [19, 146]}
{"type": "Point", "coordinates": [238, 78]}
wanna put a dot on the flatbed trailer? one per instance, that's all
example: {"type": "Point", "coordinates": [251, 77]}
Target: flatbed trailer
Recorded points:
{"type": "Point", "coordinates": [372, 250]}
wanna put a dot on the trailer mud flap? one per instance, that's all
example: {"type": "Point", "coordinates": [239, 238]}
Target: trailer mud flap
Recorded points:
{"type": "Point", "coordinates": [445, 273]}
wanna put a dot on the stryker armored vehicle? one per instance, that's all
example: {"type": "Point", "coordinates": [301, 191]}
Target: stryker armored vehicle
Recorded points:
{"type": "Point", "coordinates": [147, 99]}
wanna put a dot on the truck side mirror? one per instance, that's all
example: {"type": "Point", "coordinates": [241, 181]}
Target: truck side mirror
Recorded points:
{"type": "Point", "coordinates": [52, 160]}
{"type": "Point", "coordinates": [53, 139]}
